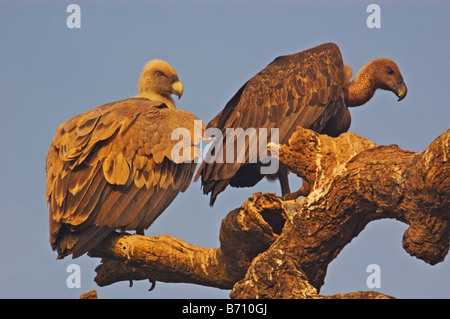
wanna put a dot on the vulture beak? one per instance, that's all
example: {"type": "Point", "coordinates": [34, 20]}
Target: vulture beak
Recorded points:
{"type": "Point", "coordinates": [177, 88]}
{"type": "Point", "coordinates": [400, 89]}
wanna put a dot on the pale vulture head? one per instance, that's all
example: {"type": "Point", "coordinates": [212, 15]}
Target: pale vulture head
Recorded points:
{"type": "Point", "coordinates": [159, 81]}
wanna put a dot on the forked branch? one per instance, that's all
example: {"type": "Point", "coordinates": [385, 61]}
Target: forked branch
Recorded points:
{"type": "Point", "coordinates": [272, 248]}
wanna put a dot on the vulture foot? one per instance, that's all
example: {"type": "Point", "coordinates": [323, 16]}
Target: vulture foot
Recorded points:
{"type": "Point", "coordinates": [303, 191]}
{"type": "Point", "coordinates": [153, 282]}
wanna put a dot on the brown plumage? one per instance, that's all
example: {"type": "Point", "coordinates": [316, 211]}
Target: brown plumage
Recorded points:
{"type": "Point", "coordinates": [111, 167]}
{"type": "Point", "coordinates": [309, 89]}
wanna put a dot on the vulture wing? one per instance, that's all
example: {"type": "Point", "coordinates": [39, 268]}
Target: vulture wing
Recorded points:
{"type": "Point", "coordinates": [302, 89]}
{"type": "Point", "coordinates": [111, 168]}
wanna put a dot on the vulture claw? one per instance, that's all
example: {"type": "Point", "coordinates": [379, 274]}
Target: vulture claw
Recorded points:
{"type": "Point", "coordinates": [303, 191]}
{"type": "Point", "coordinates": [153, 284]}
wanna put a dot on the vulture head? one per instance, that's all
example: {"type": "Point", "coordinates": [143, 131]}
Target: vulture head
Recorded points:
{"type": "Point", "coordinates": [381, 73]}
{"type": "Point", "coordinates": [159, 81]}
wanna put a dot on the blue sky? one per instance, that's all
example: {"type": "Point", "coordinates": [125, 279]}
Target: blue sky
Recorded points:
{"type": "Point", "coordinates": [49, 73]}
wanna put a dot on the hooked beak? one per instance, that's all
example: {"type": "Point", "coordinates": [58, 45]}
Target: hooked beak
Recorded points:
{"type": "Point", "coordinates": [400, 90]}
{"type": "Point", "coordinates": [177, 89]}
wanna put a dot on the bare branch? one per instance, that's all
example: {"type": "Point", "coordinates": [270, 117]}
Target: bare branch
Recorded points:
{"type": "Point", "coordinates": [272, 248]}
{"type": "Point", "coordinates": [244, 234]}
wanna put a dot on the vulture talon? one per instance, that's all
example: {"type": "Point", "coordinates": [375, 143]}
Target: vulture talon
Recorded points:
{"type": "Point", "coordinates": [153, 282]}
{"type": "Point", "coordinates": [291, 196]}
{"type": "Point", "coordinates": [303, 191]}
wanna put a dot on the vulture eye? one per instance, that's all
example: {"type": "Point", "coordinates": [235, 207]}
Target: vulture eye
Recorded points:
{"type": "Point", "coordinates": [389, 70]}
{"type": "Point", "coordinates": [159, 74]}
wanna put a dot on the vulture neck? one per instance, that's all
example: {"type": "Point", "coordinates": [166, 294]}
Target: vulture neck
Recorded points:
{"type": "Point", "coordinates": [152, 96]}
{"type": "Point", "coordinates": [362, 88]}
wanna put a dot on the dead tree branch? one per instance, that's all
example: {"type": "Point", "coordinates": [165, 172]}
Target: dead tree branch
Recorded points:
{"type": "Point", "coordinates": [244, 234]}
{"type": "Point", "coordinates": [272, 248]}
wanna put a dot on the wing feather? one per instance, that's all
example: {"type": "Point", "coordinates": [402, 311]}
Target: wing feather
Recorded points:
{"type": "Point", "coordinates": [294, 90]}
{"type": "Point", "coordinates": [111, 168]}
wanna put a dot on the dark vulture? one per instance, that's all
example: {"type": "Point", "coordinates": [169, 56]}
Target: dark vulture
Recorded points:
{"type": "Point", "coordinates": [311, 89]}
{"type": "Point", "coordinates": [111, 167]}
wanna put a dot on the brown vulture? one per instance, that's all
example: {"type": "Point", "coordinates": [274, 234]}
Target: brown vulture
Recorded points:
{"type": "Point", "coordinates": [311, 89]}
{"type": "Point", "coordinates": [111, 167]}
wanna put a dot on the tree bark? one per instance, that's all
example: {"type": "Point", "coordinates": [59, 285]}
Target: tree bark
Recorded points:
{"type": "Point", "coordinates": [244, 234]}
{"type": "Point", "coordinates": [274, 248]}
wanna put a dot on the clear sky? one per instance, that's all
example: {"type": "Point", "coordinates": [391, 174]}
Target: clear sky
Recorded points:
{"type": "Point", "coordinates": [49, 73]}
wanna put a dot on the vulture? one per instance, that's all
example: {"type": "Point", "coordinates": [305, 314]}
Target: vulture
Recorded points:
{"type": "Point", "coordinates": [112, 167]}
{"type": "Point", "coordinates": [311, 89]}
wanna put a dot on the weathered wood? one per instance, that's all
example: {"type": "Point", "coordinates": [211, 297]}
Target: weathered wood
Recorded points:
{"type": "Point", "coordinates": [244, 234]}
{"type": "Point", "coordinates": [353, 182]}
{"type": "Point", "coordinates": [274, 248]}
{"type": "Point", "coordinates": [89, 295]}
